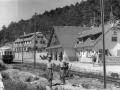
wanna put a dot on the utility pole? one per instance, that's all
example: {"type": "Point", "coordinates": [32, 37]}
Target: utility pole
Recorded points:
{"type": "Point", "coordinates": [35, 40]}
{"type": "Point", "coordinates": [23, 47]}
{"type": "Point", "coordinates": [4, 36]}
{"type": "Point", "coordinates": [94, 19]}
{"type": "Point", "coordinates": [102, 20]}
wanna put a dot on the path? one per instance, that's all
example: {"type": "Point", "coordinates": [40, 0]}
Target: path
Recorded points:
{"type": "Point", "coordinates": [109, 68]}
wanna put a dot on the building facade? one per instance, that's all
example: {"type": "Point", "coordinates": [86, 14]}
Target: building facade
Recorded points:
{"type": "Point", "coordinates": [27, 42]}
{"type": "Point", "coordinates": [91, 41]}
{"type": "Point", "coordinates": [63, 41]}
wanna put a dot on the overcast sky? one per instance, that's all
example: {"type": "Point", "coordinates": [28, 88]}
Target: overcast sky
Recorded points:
{"type": "Point", "coordinates": [15, 10]}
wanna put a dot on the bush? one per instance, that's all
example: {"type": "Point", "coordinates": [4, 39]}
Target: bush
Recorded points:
{"type": "Point", "coordinates": [3, 66]}
{"type": "Point", "coordinates": [5, 75]}
{"type": "Point", "coordinates": [11, 85]}
{"type": "Point", "coordinates": [16, 67]}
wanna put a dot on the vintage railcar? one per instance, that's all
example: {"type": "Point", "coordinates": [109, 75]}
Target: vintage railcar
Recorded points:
{"type": "Point", "coordinates": [6, 54]}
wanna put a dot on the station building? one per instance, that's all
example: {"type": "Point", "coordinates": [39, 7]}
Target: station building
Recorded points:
{"type": "Point", "coordinates": [63, 42]}
{"type": "Point", "coordinates": [91, 41]}
{"type": "Point", "coordinates": [28, 43]}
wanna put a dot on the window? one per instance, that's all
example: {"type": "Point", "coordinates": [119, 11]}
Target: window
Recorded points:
{"type": "Point", "coordinates": [92, 38]}
{"type": "Point", "coordinates": [100, 51]}
{"type": "Point", "coordinates": [36, 42]}
{"type": "Point", "coordinates": [114, 32]}
{"type": "Point", "coordinates": [54, 39]}
{"type": "Point", "coordinates": [39, 36]}
{"type": "Point", "coordinates": [114, 39]}
{"type": "Point", "coordinates": [80, 40]}
{"type": "Point", "coordinates": [106, 51]}
{"type": "Point", "coordinates": [10, 52]}
{"type": "Point", "coordinates": [42, 42]}
{"type": "Point", "coordinates": [77, 42]}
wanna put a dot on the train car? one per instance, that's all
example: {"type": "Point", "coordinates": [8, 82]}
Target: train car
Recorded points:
{"type": "Point", "coordinates": [6, 54]}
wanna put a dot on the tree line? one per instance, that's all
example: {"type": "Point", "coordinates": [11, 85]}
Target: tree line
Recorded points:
{"type": "Point", "coordinates": [85, 13]}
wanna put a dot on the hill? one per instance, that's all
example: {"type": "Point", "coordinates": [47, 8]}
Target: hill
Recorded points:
{"type": "Point", "coordinates": [80, 14]}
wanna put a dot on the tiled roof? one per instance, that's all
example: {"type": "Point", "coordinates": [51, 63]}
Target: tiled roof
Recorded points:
{"type": "Point", "coordinates": [26, 39]}
{"type": "Point", "coordinates": [88, 42]}
{"type": "Point", "coordinates": [94, 31]}
{"type": "Point", "coordinates": [67, 34]}
{"type": "Point", "coordinates": [56, 46]}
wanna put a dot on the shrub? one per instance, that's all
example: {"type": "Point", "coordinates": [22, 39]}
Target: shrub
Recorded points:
{"type": "Point", "coordinates": [5, 75]}
{"type": "Point", "coordinates": [11, 85]}
{"type": "Point", "coordinates": [2, 66]}
{"type": "Point", "coordinates": [16, 67]}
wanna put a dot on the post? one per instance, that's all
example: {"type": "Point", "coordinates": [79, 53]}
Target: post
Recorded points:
{"type": "Point", "coordinates": [23, 47]}
{"type": "Point", "coordinates": [104, 63]}
{"type": "Point", "coordinates": [4, 37]}
{"type": "Point", "coordinates": [94, 19]}
{"type": "Point", "coordinates": [35, 40]}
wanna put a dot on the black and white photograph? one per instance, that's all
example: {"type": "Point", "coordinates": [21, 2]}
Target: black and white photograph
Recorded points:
{"type": "Point", "coordinates": [59, 44]}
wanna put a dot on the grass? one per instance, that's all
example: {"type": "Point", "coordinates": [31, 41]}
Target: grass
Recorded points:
{"type": "Point", "coordinates": [40, 70]}
{"type": "Point", "coordinates": [3, 66]}
{"type": "Point", "coordinates": [11, 84]}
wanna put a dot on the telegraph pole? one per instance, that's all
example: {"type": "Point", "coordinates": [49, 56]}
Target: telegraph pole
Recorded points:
{"type": "Point", "coordinates": [102, 20]}
{"type": "Point", "coordinates": [94, 19]}
{"type": "Point", "coordinates": [35, 40]}
{"type": "Point", "coordinates": [23, 47]}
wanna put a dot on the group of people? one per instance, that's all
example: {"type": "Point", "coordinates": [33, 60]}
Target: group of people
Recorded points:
{"type": "Point", "coordinates": [63, 66]}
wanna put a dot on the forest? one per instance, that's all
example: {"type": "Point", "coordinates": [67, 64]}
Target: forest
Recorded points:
{"type": "Point", "coordinates": [84, 14]}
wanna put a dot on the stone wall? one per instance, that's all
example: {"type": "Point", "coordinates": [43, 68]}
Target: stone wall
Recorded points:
{"type": "Point", "coordinates": [112, 60]}
{"type": "Point", "coordinates": [29, 55]}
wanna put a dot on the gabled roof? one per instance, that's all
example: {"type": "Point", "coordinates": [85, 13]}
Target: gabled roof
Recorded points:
{"type": "Point", "coordinates": [88, 42]}
{"type": "Point", "coordinates": [94, 31]}
{"type": "Point", "coordinates": [5, 47]}
{"type": "Point", "coordinates": [26, 39]}
{"type": "Point", "coordinates": [67, 34]}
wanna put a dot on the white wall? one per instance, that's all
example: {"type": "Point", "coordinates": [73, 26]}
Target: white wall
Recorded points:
{"type": "Point", "coordinates": [69, 54]}
{"type": "Point", "coordinates": [114, 50]}
{"type": "Point", "coordinates": [109, 44]}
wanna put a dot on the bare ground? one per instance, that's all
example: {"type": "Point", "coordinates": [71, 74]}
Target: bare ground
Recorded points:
{"type": "Point", "coordinates": [40, 70]}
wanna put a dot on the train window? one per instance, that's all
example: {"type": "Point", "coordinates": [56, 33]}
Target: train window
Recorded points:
{"type": "Point", "coordinates": [7, 52]}
{"type": "Point", "coordinates": [10, 52]}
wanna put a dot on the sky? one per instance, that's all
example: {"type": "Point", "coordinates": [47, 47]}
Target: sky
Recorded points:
{"type": "Point", "coordinates": [15, 10]}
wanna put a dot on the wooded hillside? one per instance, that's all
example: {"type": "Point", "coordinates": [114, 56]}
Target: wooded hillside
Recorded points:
{"type": "Point", "coordinates": [80, 14]}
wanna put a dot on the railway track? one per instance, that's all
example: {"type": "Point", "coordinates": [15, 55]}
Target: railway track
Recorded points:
{"type": "Point", "coordinates": [88, 75]}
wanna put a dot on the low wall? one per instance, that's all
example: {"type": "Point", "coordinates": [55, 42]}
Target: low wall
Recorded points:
{"type": "Point", "coordinates": [29, 55]}
{"type": "Point", "coordinates": [112, 60]}
{"type": "Point", "coordinates": [109, 60]}
{"type": "Point", "coordinates": [84, 59]}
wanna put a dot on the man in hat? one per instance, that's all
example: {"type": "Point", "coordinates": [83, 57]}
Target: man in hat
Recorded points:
{"type": "Point", "coordinates": [50, 66]}
{"type": "Point", "coordinates": [63, 69]}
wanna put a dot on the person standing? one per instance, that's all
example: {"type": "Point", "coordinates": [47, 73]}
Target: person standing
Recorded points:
{"type": "Point", "coordinates": [50, 66]}
{"type": "Point", "coordinates": [93, 57]}
{"type": "Point", "coordinates": [63, 70]}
